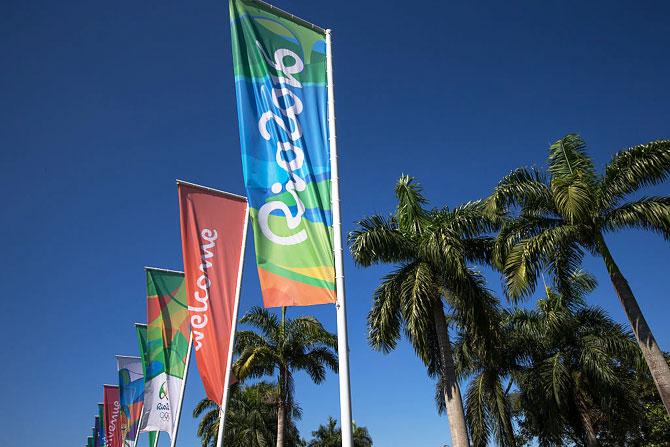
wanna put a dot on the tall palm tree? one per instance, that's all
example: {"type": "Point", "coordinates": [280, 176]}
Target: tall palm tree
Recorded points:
{"type": "Point", "coordinates": [330, 435]}
{"type": "Point", "coordinates": [432, 250]}
{"type": "Point", "coordinates": [561, 214]}
{"type": "Point", "coordinates": [251, 418]}
{"type": "Point", "coordinates": [284, 346]}
{"type": "Point", "coordinates": [579, 369]}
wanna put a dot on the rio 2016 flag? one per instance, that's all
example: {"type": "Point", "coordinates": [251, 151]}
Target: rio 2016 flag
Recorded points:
{"type": "Point", "coordinates": [141, 331]}
{"type": "Point", "coordinates": [213, 226]}
{"type": "Point", "coordinates": [167, 349]}
{"type": "Point", "coordinates": [131, 389]}
{"type": "Point", "coordinates": [281, 85]}
{"type": "Point", "coordinates": [112, 416]}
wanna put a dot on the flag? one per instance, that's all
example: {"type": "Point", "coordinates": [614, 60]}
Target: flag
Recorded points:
{"type": "Point", "coordinates": [89, 441]}
{"type": "Point", "coordinates": [112, 416]}
{"type": "Point", "coordinates": [96, 432]}
{"type": "Point", "coordinates": [141, 330]}
{"type": "Point", "coordinates": [167, 348]}
{"type": "Point", "coordinates": [213, 226]}
{"type": "Point", "coordinates": [131, 390]}
{"type": "Point", "coordinates": [101, 418]}
{"type": "Point", "coordinates": [281, 85]}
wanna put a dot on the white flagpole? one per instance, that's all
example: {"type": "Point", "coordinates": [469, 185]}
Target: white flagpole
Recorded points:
{"type": "Point", "coordinates": [233, 329]}
{"type": "Point", "coordinates": [137, 435]}
{"type": "Point", "coordinates": [173, 437]}
{"type": "Point", "coordinates": [342, 340]}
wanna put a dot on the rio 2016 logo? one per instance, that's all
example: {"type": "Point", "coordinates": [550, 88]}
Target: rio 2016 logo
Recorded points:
{"type": "Point", "coordinates": [162, 393]}
{"type": "Point", "coordinates": [289, 155]}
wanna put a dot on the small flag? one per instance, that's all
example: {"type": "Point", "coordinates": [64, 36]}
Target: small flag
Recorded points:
{"type": "Point", "coordinates": [131, 391]}
{"type": "Point", "coordinates": [112, 416]}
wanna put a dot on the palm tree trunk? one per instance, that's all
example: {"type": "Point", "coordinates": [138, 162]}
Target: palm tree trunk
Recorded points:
{"type": "Point", "coordinates": [281, 423]}
{"type": "Point", "coordinates": [653, 355]}
{"type": "Point", "coordinates": [452, 393]}
{"type": "Point", "coordinates": [587, 424]}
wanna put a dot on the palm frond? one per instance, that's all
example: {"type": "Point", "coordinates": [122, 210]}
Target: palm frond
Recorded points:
{"type": "Point", "coordinates": [267, 322]}
{"type": "Point", "coordinates": [384, 319]}
{"type": "Point", "coordinates": [633, 168]}
{"type": "Point", "coordinates": [377, 239]}
{"type": "Point", "coordinates": [409, 214]}
{"type": "Point", "coordinates": [524, 187]}
{"type": "Point", "coordinates": [568, 157]}
{"type": "Point", "coordinates": [648, 213]}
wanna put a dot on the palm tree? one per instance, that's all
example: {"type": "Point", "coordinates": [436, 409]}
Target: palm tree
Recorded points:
{"type": "Point", "coordinates": [330, 435]}
{"type": "Point", "coordinates": [559, 215]}
{"type": "Point", "coordinates": [488, 408]}
{"type": "Point", "coordinates": [251, 418]}
{"type": "Point", "coordinates": [432, 250]}
{"type": "Point", "coordinates": [282, 347]}
{"type": "Point", "coordinates": [580, 367]}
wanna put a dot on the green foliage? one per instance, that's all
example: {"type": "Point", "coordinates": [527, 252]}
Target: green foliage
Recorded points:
{"type": "Point", "coordinates": [431, 249]}
{"type": "Point", "coordinates": [282, 347]}
{"type": "Point", "coordinates": [559, 216]}
{"type": "Point", "coordinates": [579, 368]}
{"type": "Point", "coordinates": [251, 419]}
{"type": "Point", "coordinates": [330, 435]}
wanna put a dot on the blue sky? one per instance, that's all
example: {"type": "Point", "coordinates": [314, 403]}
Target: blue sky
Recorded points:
{"type": "Point", "coordinates": [103, 105]}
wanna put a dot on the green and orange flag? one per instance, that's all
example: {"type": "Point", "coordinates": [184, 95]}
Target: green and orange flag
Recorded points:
{"type": "Point", "coordinates": [167, 342]}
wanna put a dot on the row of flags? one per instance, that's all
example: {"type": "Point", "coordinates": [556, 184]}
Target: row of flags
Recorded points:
{"type": "Point", "coordinates": [283, 82]}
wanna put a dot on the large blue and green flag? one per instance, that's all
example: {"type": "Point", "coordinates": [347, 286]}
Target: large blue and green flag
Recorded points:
{"type": "Point", "coordinates": [281, 85]}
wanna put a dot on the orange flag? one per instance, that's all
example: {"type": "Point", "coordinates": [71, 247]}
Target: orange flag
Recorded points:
{"type": "Point", "coordinates": [213, 231]}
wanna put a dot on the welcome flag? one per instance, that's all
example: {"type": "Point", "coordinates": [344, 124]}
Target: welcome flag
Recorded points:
{"type": "Point", "coordinates": [167, 348]}
{"type": "Point", "coordinates": [141, 331]}
{"type": "Point", "coordinates": [131, 390]}
{"type": "Point", "coordinates": [280, 80]}
{"type": "Point", "coordinates": [101, 432]}
{"type": "Point", "coordinates": [112, 416]}
{"type": "Point", "coordinates": [213, 226]}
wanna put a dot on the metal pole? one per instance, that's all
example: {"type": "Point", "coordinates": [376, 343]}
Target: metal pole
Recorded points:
{"type": "Point", "coordinates": [233, 329]}
{"type": "Point", "coordinates": [137, 435]}
{"type": "Point", "coordinates": [173, 437]}
{"type": "Point", "coordinates": [342, 340]}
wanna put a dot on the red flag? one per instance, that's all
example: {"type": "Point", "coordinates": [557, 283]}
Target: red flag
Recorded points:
{"type": "Point", "coordinates": [112, 405]}
{"type": "Point", "coordinates": [213, 229]}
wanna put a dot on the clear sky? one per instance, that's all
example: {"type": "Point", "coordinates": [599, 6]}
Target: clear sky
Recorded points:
{"type": "Point", "coordinates": [104, 104]}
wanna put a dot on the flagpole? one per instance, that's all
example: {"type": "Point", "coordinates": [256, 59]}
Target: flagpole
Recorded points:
{"type": "Point", "coordinates": [137, 434]}
{"type": "Point", "coordinates": [342, 340]}
{"type": "Point", "coordinates": [233, 329]}
{"type": "Point", "coordinates": [173, 438]}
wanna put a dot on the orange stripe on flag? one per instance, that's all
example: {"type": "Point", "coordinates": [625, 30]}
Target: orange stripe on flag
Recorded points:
{"type": "Point", "coordinates": [279, 291]}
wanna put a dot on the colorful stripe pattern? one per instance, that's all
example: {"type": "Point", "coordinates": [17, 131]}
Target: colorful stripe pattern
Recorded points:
{"type": "Point", "coordinates": [280, 80]}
